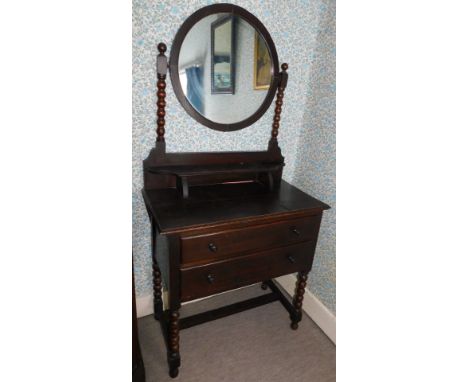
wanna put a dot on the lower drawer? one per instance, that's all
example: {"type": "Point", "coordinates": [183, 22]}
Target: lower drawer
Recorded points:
{"type": "Point", "coordinates": [229, 274]}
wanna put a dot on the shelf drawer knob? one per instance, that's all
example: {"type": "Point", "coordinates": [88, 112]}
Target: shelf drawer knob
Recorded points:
{"type": "Point", "coordinates": [291, 259]}
{"type": "Point", "coordinates": [210, 278]}
{"type": "Point", "coordinates": [212, 247]}
{"type": "Point", "coordinates": [295, 231]}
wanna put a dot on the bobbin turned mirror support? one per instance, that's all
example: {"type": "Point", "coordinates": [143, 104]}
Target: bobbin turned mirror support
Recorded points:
{"type": "Point", "coordinates": [282, 83]}
{"type": "Point", "coordinates": [161, 67]}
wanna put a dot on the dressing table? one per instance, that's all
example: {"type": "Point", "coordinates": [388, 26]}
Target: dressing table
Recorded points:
{"type": "Point", "coordinates": [224, 220]}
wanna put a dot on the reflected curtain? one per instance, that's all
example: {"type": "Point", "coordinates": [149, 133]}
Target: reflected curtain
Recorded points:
{"type": "Point", "coordinates": [195, 87]}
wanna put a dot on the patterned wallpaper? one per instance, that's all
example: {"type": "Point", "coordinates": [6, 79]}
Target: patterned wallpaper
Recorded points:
{"type": "Point", "coordinates": [304, 35]}
{"type": "Point", "coordinates": [314, 169]}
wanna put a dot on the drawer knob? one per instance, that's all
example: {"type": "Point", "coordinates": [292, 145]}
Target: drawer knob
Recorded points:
{"type": "Point", "coordinates": [291, 259]}
{"type": "Point", "coordinates": [295, 231]}
{"type": "Point", "coordinates": [212, 247]}
{"type": "Point", "coordinates": [210, 278]}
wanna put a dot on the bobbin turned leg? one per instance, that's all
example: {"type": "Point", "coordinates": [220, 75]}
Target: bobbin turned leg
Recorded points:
{"type": "Point", "coordinates": [298, 298]}
{"type": "Point", "coordinates": [157, 292]}
{"type": "Point", "coordinates": [173, 356]}
{"type": "Point", "coordinates": [157, 281]}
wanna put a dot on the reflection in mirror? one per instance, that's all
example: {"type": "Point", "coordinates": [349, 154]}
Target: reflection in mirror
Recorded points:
{"type": "Point", "coordinates": [224, 72]}
{"type": "Point", "coordinates": [222, 66]}
{"type": "Point", "coordinates": [262, 62]}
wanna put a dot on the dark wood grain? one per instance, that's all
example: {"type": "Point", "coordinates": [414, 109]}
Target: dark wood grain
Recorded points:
{"type": "Point", "coordinates": [157, 278]}
{"type": "Point", "coordinates": [299, 298]}
{"type": "Point", "coordinates": [173, 340]}
{"type": "Point", "coordinates": [234, 273]}
{"type": "Point", "coordinates": [279, 100]}
{"type": "Point", "coordinates": [174, 273]}
{"type": "Point", "coordinates": [215, 314]}
{"type": "Point", "coordinates": [162, 170]}
{"type": "Point", "coordinates": [228, 203]}
{"type": "Point", "coordinates": [157, 292]}
{"type": "Point", "coordinates": [219, 245]}
{"type": "Point", "coordinates": [230, 168]}
{"type": "Point", "coordinates": [161, 85]}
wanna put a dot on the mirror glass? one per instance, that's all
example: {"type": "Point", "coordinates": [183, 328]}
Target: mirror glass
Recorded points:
{"type": "Point", "coordinates": [225, 68]}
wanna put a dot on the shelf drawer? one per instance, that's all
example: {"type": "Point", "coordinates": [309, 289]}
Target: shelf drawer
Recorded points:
{"type": "Point", "coordinates": [205, 280]}
{"type": "Point", "coordinates": [220, 245]}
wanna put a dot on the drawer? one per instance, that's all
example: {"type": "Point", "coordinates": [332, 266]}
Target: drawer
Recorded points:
{"type": "Point", "coordinates": [205, 280]}
{"type": "Point", "coordinates": [219, 245]}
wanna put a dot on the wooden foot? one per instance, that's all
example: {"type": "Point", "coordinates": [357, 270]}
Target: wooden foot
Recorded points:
{"type": "Point", "coordinates": [296, 317]}
{"type": "Point", "coordinates": [173, 373]}
{"type": "Point", "coordinates": [173, 356]}
{"type": "Point", "coordinates": [264, 285]}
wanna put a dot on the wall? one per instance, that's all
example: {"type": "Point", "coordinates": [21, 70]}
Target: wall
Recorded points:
{"type": "Point", "coordinates": [303, 32]}
{"type": "Point", "coordinates": [314, 169]}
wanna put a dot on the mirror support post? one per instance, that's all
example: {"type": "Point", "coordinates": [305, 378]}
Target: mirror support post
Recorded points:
{"type": "Point", "coordinates": [161, 66]}
{"type": "Point", "coordinates": [283, 81]}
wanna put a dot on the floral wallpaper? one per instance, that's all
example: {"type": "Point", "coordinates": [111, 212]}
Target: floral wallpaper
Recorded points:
{"type": "Point", "coordinates": [304, 35]}
{"type": "Point", "coordinates": [314, 168]}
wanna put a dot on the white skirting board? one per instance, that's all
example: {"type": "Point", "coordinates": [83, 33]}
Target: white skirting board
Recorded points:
{"type": "Point", "coordinates": [144, 305]}
{"type": "Point", "coordinates": [311, 305]}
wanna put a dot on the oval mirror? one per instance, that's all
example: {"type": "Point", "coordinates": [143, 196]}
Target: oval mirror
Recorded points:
{"type": "Point", "coordinates": [224, 67]}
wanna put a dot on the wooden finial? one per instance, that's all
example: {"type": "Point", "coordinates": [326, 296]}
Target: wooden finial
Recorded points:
{"type": "Point", "coordinates": [162, 71]}
{"type": "Point", "coordinates": [162, 48]}
{"type": "Point", "coordinates": [279, 100]}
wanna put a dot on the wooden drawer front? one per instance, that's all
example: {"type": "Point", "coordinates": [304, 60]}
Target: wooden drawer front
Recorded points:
{"type": "Point", "coordinates": [219, 245]}
{"type": "Point", "coordinates": [229, 274]}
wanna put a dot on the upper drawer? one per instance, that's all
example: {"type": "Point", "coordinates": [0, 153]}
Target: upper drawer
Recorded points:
{"type": "Point", "coordinates": [215, 246]}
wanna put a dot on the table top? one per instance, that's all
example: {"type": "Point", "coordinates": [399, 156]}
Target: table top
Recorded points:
{"type": "Point", "coordinates": [208, 205]}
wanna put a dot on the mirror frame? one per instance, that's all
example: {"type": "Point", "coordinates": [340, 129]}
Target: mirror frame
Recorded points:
{"type": "Point", "coordinates": [174, 65]}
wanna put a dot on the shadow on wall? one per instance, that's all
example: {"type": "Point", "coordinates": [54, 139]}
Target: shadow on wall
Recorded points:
{"type": "Point", "coordinates": [315, 167]}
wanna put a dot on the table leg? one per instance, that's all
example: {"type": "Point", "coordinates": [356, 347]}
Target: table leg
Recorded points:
{"type": "Point", "coordinates": [157, 291]}
{"type": "Point", "coordinates": [297, 300]}
{"type": "Point", "coordinates": [173, 356]}
{"type": "Point", "coordinates": [157, 281]}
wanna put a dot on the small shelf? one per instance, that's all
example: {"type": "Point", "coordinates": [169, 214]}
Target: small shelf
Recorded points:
{"type": "Point", "coordinates": [237, 168]}
{"type": "Point", "coordinates": [188, 175]}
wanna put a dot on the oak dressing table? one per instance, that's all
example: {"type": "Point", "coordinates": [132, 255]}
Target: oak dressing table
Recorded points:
{"type": "Point", "coordinates": [220, 221]}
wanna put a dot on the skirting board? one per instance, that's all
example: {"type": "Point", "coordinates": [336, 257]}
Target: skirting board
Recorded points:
{"type": "Point", "coordinates": [311, 305]}
{"type": "Point", "coordinates": [144, 306]}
